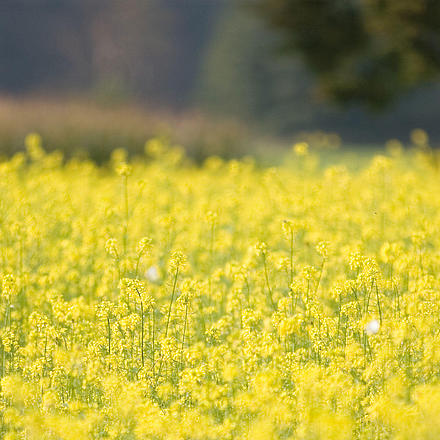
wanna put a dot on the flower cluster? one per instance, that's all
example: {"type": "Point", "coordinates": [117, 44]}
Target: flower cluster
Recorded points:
{"type": "Point", "coordinates": [219, 301]}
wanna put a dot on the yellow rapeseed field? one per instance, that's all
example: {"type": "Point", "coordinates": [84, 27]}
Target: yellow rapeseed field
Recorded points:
{"type": "Point", "coordinates": [158, 299]}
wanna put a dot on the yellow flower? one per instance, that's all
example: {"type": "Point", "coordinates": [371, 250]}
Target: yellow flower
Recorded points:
{"type": "Point", "coordinates": [301, 149]}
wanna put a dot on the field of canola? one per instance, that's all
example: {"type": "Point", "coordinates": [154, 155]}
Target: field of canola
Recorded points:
{"type": "Point", "coordinates": [163, 300]}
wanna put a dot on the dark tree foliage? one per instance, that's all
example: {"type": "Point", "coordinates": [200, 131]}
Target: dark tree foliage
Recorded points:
{"type": "Point", "coordinates": [362, 51]}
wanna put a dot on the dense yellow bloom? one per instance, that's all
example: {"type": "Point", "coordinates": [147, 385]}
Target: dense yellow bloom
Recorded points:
{"type": "Point", "coordinates": [219, 301]}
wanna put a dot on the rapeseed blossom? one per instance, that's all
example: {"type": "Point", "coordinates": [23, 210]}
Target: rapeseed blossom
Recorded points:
{"type": "Point", "coordinates": [159, 299]}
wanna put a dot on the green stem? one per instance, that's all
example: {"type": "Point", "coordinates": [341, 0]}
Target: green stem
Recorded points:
{"type": "Point", "coordinates": [184, 330]}
{"type": "Point", "coordinates": [320, 276]}
{"type": "Point", "coordinates": [339, 314]}
{"type": "Point", "coordinates": [171, 302]}
{"type": "Point", "coordinates": [168, 319]}
{"type": "Point", "coordinates": [378, 304]}
{"type": "Point", "coordinates": [211, 246]}
{"type": "Point", "coordinates": [142, 327]}
{"type": "Point", "coordinates": [137, 266]}
{"type": "Point", "coordinates": [109, 335]}
{"type": "Point", "coordinates": [266, 275]}
{"type": "Point", "coordinates": [126, 214]}
{"type": "Point", "coordinates": [291, 257]}
{"type": "Point", "coordinates": [153, 344]}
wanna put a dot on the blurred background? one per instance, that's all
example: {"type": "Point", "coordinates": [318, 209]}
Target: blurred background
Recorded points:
{"type": "Point", "coordinates": [224, 77]}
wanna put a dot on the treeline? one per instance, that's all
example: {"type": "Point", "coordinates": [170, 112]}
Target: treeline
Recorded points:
{"type": "Point", "coordinates": [267, 73]}
{"type": "Point", "coordinates": [221, 56]}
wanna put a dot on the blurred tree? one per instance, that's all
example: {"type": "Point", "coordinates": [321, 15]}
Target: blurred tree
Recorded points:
{"type": "Point", "coordinates": [362, 51]}
{"type": "Point", "coordinates": [241, 77]}
{"type": "Point", "coordinates": [244, 77]}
